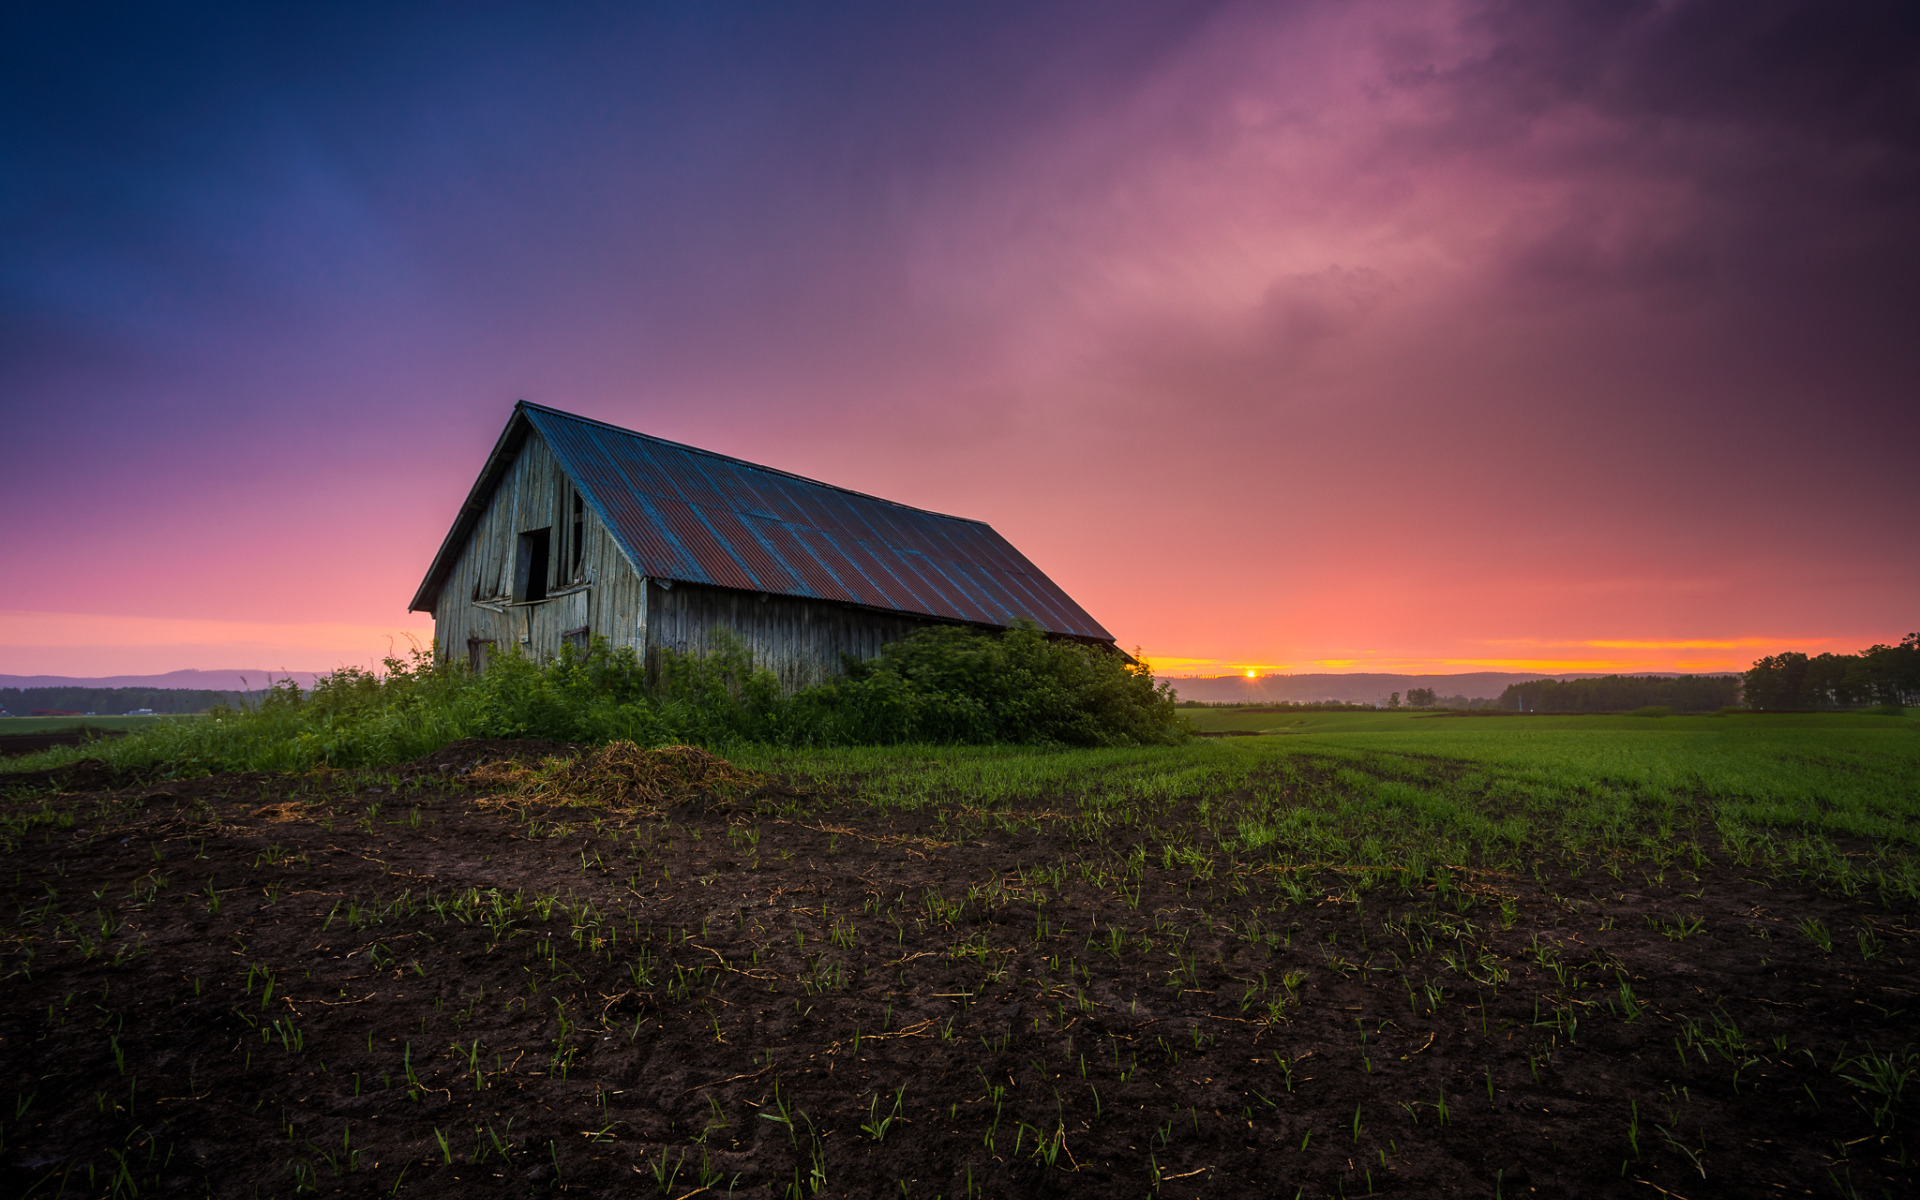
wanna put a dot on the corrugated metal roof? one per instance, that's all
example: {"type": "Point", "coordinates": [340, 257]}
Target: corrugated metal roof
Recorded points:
{"type": "Point", "coordinates": [693, 516]}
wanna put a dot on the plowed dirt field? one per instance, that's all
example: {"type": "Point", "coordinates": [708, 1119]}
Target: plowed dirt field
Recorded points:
{"type": "Point", "coordinates": [401, 983]}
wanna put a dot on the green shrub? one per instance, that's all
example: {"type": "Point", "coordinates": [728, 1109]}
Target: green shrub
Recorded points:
{"type": "Point", "coordinates": [941, 685]}
{"type": "Point", "coordinates": [947, 684]}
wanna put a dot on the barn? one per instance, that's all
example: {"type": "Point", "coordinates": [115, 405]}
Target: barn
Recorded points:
{"type": "Point", "coordinates": [576, 528]}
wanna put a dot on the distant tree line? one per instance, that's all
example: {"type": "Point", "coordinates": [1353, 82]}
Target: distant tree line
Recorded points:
{"type": "Point", "coordinates": [1416, 698]}
{"type": "Point", "coordinates": [112, 702]}
{"type": "Point", "coordinates": [1876, 675]}
{"type": "Point", "coordinates": [1429, 698]}
{"type": "Point", "coordinates": [1624, 693]}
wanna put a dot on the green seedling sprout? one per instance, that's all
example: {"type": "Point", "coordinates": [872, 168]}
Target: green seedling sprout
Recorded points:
{"type": "Point", "coordinates": [1816, 932]}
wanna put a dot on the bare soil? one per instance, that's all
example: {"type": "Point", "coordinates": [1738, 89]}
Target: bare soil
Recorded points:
{"type": "Point", "coordinates": [354, 985]}
{"type": "Point", "coordinates": [15, 744]}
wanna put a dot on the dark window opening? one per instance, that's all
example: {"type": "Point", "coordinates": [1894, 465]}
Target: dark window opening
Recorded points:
{"type": "Point", "coordinates": [577, 638]}
{"type": "Point", "coordinates": [477, 651]}
{"type": "Point", "coordinates": [530, 566]}
{"type": "Point", "coordinates": [579, 531]}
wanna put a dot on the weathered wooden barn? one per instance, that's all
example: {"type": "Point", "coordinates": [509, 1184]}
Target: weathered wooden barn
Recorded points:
{"type": "Point", "coordinates": [577, 528]}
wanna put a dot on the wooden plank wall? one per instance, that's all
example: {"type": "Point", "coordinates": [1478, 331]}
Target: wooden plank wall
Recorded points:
{"type": "Point", "coordinates": [607, 596]}
{"type": "Point", "coordinates": [799, 640]}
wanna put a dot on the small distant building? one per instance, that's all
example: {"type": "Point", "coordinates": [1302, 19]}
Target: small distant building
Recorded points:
{"type": "Point", "coordinates": [576, 528]}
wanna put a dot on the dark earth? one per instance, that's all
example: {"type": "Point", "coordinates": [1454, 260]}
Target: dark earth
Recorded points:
{"type": "Point", "coordinates": [396, 983]}
{"type": "Point", "coordinates": [12, 744]}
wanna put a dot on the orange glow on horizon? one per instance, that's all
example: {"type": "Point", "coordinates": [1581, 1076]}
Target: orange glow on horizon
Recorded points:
{"type": "Point", "coordinates": [83, 644]}
{"type": "Point", "coordinates": [1553, 657]}
{"type": "Point", "coordinates": [1701, 644]}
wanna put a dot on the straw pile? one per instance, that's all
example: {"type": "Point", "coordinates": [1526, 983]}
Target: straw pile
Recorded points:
{"type": "Point", "coordinates": [619, 775]}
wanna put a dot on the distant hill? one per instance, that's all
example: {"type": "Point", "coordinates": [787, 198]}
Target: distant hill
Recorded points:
{"type": "Point", "coordinates": [1355, 688]}
{"type": "Point", "coordinates": [114, 702]}
{"type": "Point", "coordinates": [211, 681]}
{"type": "Point", "coordinates": [113, 695]}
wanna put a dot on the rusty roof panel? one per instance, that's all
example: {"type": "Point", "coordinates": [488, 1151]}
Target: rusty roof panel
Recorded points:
{"type": "Point", "coordinates": [783, 544]}
{"type": "Point", "coordinates": [768, 573]}
{"type": "Point", "coordinates": [637, 527]}
{"type": "Point", "coordinates": [826, 557]}
{"type": "Point", "coordinates": [690, 515]}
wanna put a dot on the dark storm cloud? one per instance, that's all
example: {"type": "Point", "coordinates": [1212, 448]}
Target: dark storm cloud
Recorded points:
{"type": "Point", "coordinates": [1794, 127]}
{"type": "Point", "coordinates": [1845, 72]}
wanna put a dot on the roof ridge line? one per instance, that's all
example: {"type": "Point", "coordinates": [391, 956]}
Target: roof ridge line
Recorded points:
{"type": "Point", "coordinates": [561, 412]}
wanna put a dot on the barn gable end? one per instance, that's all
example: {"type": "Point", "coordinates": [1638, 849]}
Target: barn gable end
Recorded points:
{"type": "Point", "coordinates": [476, 610]}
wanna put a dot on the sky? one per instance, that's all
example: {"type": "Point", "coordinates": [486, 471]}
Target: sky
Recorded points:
{"type": "Point", "coordinates": [1407, 336]}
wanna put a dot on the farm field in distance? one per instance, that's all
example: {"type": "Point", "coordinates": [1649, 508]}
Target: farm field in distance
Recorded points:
{"type": "Point", "coordinates": [59, 724]}
{"type": "Point", "coordinates": [26, 735]}
{"type": "Point", "coordinates": [1372, 953]}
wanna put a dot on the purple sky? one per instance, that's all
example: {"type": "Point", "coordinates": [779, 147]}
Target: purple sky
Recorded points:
{"type": "Point", "coordinates": [1291, 336]}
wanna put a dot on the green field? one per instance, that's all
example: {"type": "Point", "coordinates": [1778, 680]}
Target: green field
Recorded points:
{"type": "Point", "coordinates": [57, 724]}
{"type": "Point", "coordinates": [1835, 794]}
{"type": "Point", "coordinates": [1831, 797]}
{"type": "Point", "coordinates": [1256, 719]}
